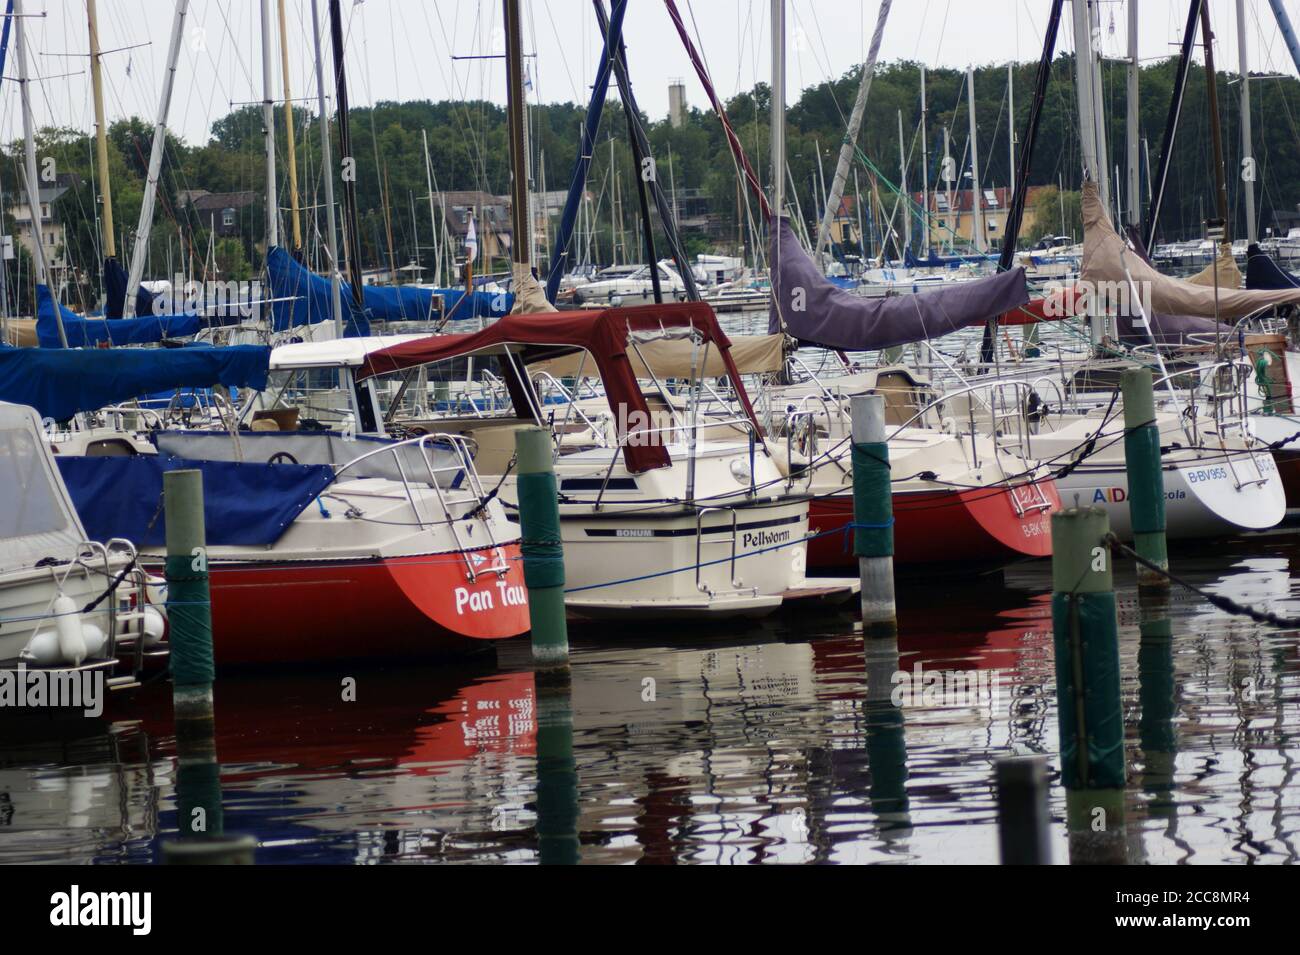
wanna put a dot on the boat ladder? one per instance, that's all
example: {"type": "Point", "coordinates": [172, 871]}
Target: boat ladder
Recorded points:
{"type": "Point", "coordinates": [462, 499]}
{"type": "Point", "coordinates": [738, 585]}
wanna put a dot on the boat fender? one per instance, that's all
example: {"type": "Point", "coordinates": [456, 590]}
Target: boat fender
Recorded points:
{"type": "Point", "coordinates": [67, 622]}
{"type": "Point", "coordinates": [95, 639]}
{"type": "Point", "coordinates": [154, 626]}
{"type": "Point", "coordinates": [41, 649]}
{"type": "Point", "coordinates": [948, 425]}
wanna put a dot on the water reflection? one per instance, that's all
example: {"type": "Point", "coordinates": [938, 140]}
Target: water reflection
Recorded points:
{"type": "Point", "coordinates": [781, 744]}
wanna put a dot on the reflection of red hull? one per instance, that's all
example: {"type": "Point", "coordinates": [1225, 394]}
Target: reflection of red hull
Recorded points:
{"type": "Point", "coordinates": [974, 525]}
{"type": "Point", "coordinates": [377, 608]}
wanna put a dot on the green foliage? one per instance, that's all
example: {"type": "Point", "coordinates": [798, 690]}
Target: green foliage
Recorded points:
{"type": "Point", "coordinates": [468, 150]}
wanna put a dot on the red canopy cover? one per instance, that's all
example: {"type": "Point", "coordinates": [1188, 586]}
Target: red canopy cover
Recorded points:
{"type": "Point", "coordinates": [604, 334]}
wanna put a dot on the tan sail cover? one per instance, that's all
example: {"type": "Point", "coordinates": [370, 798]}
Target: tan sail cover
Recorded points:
{"type": "Point", "coordinates": [1229, 274]}
{"type": "Point", "coordinates": [1102, 248]}
{"type": "Point", "coordinates": [671, 358]}
{"type": "Point", "coordinates": [21, 332]}
{"type": "Point", "coordinates": [530, 298]}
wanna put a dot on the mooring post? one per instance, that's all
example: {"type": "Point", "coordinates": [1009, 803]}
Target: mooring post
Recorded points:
{"type": "Point", "coordinates": [873, 514]}
{"type": "Point", "coordinates": [189, 610]}
{"type": "Point", "coordinates": [1022, 810]}
{"type": "Point", "coordinates": [189, 614]}
{"type": "Point", "coordinates": [1146, 487]}
{"type": "Point", "coordinates": [1089, 715]}
{"type": "Point", "coordinates": [539, 527]}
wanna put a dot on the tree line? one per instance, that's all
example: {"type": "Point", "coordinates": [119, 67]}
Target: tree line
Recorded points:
{"type": "Point", "coordinates": [468, 150]}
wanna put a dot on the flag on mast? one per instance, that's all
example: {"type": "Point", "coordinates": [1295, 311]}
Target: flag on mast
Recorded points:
{"type": "Point", "coordinates": [471, 241]}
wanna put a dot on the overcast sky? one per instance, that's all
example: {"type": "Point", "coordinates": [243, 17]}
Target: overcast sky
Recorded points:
{"type": "Point", "coordinates": [403, 49]}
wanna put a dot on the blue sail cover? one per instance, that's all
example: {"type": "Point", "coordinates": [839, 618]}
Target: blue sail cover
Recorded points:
{"type": "Point", "coordinates": [59, 383]}
{"type": "Point", "coordinates": [310, 298]}
{"type": "Point", "coordinates": [115, 283]}
{"type": "Point", "coordinates": [1264, 273]}
{"type": "Point", "coordinates": [816, 311]}
{"type": "Point", "coordinates": [244, 504]}
{"type": "Point", "coordinates": [88, 332]}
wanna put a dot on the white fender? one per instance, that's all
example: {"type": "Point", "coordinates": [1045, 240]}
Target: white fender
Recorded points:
{"type": "Point", "coordinates": [67, 622]}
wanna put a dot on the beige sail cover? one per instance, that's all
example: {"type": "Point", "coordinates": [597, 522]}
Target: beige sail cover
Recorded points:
{"type": "Point", "coordinates": [671, 358]}
{"type": "Point", "coordinates": [21, 332]}
{"type": "Point", "coordinates": [1229, 274]}
{"type": "Point", "coordinates": [530, 298]}
{"type": "Point", "coordinates": [1102, 248]}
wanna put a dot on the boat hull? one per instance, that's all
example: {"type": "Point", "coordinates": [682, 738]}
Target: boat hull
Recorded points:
{"type": "Point", "coordinates": [979, 526]}
{"type": "Point", "coordinates": [1201, 499]}
{"type": "Point", "coordinates": [407, 607]}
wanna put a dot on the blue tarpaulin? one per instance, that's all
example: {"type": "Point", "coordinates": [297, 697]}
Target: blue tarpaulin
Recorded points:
{"type": "Point", "coordinates": [115, 282]}
{"type": "Point", "coordinates": [83, 332]}
{"type": "Point", "coordinates": [244, 504]}
{"type": "Point", "coordinates": [310, 300]}
{"type": "Point", "coordinates": [60, 382]}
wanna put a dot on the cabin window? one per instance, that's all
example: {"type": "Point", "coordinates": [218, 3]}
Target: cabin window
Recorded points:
{"type": "Point", "coordinates": [228, 217]}
{"type": "Point", "coordinates": [30, 505]}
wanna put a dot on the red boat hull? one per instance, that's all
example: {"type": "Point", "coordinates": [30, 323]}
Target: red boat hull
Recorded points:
{"type": "Point", "coordinates": [1288, 469]}
{"type": "Point", "coordinates": [379, 608]}
{"type": "Point", "coordinates": [971, 525]}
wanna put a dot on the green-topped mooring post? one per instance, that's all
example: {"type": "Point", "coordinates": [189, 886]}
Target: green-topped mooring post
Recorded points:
{"type": "Point", "coordinates": [189, 611]}
{"type": "Point", "coordinates": [1089, 714]}
{"type": "Point", "coordinates": [873, 514]}
{"type": "Point", "coordinates": [539, 526]}
{"type": "Point", "coordinates": [1146, 487]}
{"type": "Point", "coordinates": [199, 813]}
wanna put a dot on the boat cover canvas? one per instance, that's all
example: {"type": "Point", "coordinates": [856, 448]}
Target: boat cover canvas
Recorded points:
{"type": "Point", "coordinates": [816, 311]}
{"type": "Point", "coordinates": [58, 383]}
{"type": "Point", "coordinates": [320, 447]}
{"type": "Point", "coordinates": [1262, 272]}
{"type": "Point", "coordinates": [604, 334]}
{"type": "Point", "coordinates": [115, 283]}
{"type": "Point", "coordinates": [1229, 275]}
{"type": "Point", "coordinates": [671, 358]}
{"type": "Point", "coordinates": [305, 298]}
{"type": "Point", "coordinates": [248, 504]}
{"type": "Point", "coordinates": [37, 520]}
{"type": "Point", "coordinates": [1102, 250]}
{"type": "Point", "coordinates": [89, 332]}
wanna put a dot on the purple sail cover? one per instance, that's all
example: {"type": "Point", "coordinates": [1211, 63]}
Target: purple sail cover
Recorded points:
{"type": "Point", "coordinates": [834, 318]}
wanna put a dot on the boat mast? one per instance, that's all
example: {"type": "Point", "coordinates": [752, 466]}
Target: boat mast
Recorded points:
{"type": "Point", "coordinates": [268, 125]}
{"type": "Point", "coordinates": [902, 186]}
{"type": "Point", "coordinates": [1216, 133]}
{"type": "Point", "coordinates": [925, 170]}
{"type": "Point", "coordinates": [1171, 120]}
{"type": "Point", "coordinates": [849, 145]}
{"type": "Point", "coordinates": [350, 235]}
{"type": "Point", "coordinates": [977, 223]}
{"type": "Point", "coordinates": [1284, 27]}
{"type": "Point", "coordinates": [1098, 100]}
{"type": "Point", "coordinates": [1247, 155]}
{"type": "Point", "coordinates": [1011, 130]}
{"type": "Point", "coordinates": [327, 166]}
{"type": "Point", "coordinates": [778, 108]}
{"type": "Point", "coordinates": [289, 144]}
{"type": "Point", "coordinates": [33, 189]}
{"type": "Point", "coordinates": [1131, 121]}
{"type": "Point", "coordinates": [101, 134]}
{"type": "Point", "coordinates": [433, 219]}
{"type": "Point", "coordinates": [515, 127]}
{"type": "Point", "coordinates": [140, 250]}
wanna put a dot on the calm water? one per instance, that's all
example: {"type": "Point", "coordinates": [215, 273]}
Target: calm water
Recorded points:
{"type": "Point", "coordinates": [774, 744]}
